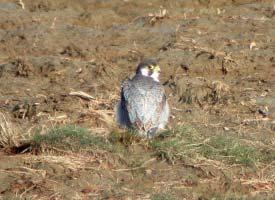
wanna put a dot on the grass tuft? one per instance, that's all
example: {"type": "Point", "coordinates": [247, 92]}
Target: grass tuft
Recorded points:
{"type": "Point", "coordinates": [70, 138]}
{"type": "Point", "coordinates": [229, 149]}
{"type": "Point", "coordinates": [9, 136]}
{"type": "Point", "coordinates": [185, 144]}
{"type": "Point", "coordinates": [175, 145]}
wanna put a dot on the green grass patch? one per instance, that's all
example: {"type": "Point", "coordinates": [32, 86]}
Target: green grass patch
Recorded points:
{"type": "Point", "coordinates": [70, 138]}
{"type": "Point", "coordinates": [179, 144]}
{"type": "Point", "coordinates": [229, 149]}
{"type": "Point", "coordinates": [185, 143]}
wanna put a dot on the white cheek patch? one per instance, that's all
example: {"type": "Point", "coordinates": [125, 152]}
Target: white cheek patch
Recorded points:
{"type": "Point", "coordinates": [155, 76]}
{"type": "Point", "coordinates": [145, 72]}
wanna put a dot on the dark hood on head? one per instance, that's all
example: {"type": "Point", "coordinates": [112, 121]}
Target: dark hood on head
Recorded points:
{"type": "Point", "coordinates": [145, 63]}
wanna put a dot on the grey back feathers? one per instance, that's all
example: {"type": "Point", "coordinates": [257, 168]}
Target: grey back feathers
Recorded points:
{"type": "Point", "coordinates": [143, 105]}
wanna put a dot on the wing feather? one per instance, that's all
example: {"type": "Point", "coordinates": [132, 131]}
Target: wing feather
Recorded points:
{"type": "Point", "coordinates": [144, 101]}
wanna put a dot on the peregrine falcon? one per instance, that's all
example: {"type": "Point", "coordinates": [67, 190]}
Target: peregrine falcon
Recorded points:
{"type": "Point", "coordinates": [143, 105]}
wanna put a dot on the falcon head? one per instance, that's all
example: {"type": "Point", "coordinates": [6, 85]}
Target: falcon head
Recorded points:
{"type": "Point", "coordinates": [149, 68]}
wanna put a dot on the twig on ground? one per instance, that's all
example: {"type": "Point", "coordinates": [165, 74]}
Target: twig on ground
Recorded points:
{"type": "Point", "coordinates": [21, 3]}
{"type": "Point", "coordinates": [53, 23]}
{"type": "Point", "coordinates": [135, 168]}
{"type": "Point", "coordinates": [82, 95]}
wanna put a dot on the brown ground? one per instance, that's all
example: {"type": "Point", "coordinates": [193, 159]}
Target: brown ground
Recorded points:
{"type": "Point", "coordinates": [218, 63]}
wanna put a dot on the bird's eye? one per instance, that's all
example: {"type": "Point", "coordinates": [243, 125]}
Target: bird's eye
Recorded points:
{"type": "Point", "coordinates": [151, 66]}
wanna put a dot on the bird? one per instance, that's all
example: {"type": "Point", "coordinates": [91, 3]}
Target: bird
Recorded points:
{"type": "Point", "coordinates": [143, 105]}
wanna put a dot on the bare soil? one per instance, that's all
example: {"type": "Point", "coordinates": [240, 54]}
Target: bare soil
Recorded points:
{"type": "Point", "coordinates": [218, 69]}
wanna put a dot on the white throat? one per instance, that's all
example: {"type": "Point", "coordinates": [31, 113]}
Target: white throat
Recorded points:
{"type": "Point", "coordinates": [145, 72]}
{"type": "Point", "coordinates": [155, 75]}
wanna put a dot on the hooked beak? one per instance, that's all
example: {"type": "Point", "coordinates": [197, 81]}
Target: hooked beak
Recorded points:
{"type": "Point", "coordinates": [157, 69]}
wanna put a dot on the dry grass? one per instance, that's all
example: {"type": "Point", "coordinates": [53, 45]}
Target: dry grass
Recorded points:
{"type": "Point", "coordinates": [162, 196]}
{"type": "Point", "coordinates": [75, 151]}
{"type": "Point", "coordinates": [72, 162]}
{"type": "Point", "coordinates": [9, 135]}
{"type": "Point", "coordinates": [219, 92]}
